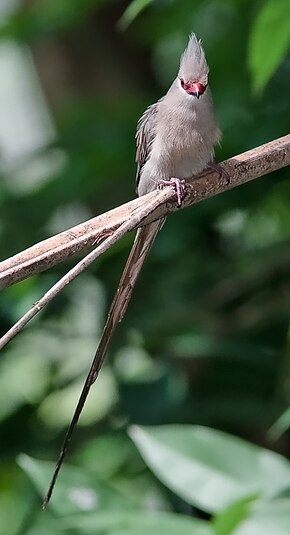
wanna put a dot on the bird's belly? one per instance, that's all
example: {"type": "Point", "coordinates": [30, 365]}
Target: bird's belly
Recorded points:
{"type": "Point", "coordinates": [186, 161]}
{"type": "Point", "coordinates": [183, 161]}
{"type": "Point", "coordinates": [185, 166]}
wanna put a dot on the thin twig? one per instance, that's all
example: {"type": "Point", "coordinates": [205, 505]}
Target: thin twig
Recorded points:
{"type": "Point", "coordinates": [135, 220]}
{"type": "Point", "coordinates": [241, 169]}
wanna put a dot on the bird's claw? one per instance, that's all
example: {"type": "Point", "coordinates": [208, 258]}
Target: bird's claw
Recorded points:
{"type": "Point", "coordinates": [219, 168]}
{"type": "Point", "coordinates": [179, 186]}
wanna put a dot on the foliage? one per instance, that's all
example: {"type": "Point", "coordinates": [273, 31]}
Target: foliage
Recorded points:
{"type": "Point", "coordinates": [132, 12]}
{"type": "Point", "coordinates": [178, 431]}
{"type": "Point", "coordinates": [270, 41]}
{"type": "Point", "coordinates": [198, 465]}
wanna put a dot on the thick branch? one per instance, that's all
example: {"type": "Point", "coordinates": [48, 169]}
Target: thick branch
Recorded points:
{"type": "Point", "coordinates": [240, 169]}
{"type": "Point", "coordinates": [134, 221]}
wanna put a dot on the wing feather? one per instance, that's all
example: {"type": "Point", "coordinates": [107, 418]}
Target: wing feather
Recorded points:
{"type": "Point", "coordinates": [145, 135]}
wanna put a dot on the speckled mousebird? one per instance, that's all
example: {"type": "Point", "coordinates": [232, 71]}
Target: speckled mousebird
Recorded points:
{"type": "Point", "coordinates": [175, 140]}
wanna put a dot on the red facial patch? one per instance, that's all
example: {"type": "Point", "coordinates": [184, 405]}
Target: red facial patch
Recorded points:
{"type": "Point", "coordinates": [193, 88]}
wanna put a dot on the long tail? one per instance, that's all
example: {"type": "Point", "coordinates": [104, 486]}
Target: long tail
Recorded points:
{"type": "Point", "coordinates": [144, 238]}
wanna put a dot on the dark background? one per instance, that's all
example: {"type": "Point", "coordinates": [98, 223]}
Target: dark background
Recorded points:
{"type": "Point", "coordinates": [206, 336]}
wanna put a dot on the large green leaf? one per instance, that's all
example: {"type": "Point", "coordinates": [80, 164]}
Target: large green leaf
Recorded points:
{"type": "Point", "coordinates": [76, 490]}
{"type": "Point", "coordinates": [269, 41]}
{"type": "Point", "coordinates": [208, 468]}
{"type": "Point", "coordinates": [127, 523]}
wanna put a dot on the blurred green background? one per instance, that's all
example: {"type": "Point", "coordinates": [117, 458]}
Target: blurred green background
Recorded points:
{"type": "Point", "coordinates": [204, 347]}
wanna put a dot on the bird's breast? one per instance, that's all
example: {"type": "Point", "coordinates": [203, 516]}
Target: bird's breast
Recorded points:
{"type": "Point", "coordinates": [183, 146]}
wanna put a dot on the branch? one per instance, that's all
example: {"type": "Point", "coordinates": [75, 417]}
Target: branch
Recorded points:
{"type": "Point", "coordinates": [131, 223]}
{"type": "Point", "coordinates": [241, 169]}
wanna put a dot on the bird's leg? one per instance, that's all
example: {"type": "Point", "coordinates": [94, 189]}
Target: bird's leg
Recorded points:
{"type": "Point", "coordinates": [179, 186]}
{"type": "Point", "coordinates": [218, 168]}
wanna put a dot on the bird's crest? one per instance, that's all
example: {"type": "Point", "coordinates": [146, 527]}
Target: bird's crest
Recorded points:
{"type": "Point", "coordinates": [193, 65]}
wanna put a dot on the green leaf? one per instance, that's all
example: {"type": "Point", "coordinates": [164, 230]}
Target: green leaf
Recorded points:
{"type": "Point", "coordinates": [225, 523]}
{"type": "Point", "coordinates": [45, 524]}
{"type": "Point", "coordinates": [269, 41]}
{"type": "Point", "coordinates": [13, 508]}
{"type": "Point", "coordinates": [105, 455]}
{"type": "Point", "coordinates": [76, 490]}
{"type": "Point", "coordinates": [124, 523]}
{"type": "Point", "coordinates": [48, 16]}
{"type": "Point", "coordinates": [98, 405]}
{"type": "Point", "coordinates": [280, 426]}
{"type": "Point", "coordinates": [24, 376]}
{"type": "Point", "coordinates": [208, 468]}
{"type": "Point", "coordinates": [267, 519]}
{"type": "Point", "coordinates": [132, 11]}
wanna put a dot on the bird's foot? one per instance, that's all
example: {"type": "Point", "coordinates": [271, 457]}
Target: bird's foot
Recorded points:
{"type": "Point", "coordinates": [179, 186]}
{"type": "Point", "coordinates": [219, 168]}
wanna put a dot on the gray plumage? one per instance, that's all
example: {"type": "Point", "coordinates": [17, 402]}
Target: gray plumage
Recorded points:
{"type": "Point", "coordinates": [176, 136]}
{"type": "Point", "coordinates": [175, 139]}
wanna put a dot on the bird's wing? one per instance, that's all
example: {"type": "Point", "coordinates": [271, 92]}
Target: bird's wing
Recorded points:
{"type": "Point", "coordinates": [145, 135]}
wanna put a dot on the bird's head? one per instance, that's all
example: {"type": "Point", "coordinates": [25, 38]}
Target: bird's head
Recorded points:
{"type": "Point", "coordinates": [193, 70]}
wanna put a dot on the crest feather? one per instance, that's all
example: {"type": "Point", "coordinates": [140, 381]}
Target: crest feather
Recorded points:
{"type": "Point", "coordinates": [193, 65]}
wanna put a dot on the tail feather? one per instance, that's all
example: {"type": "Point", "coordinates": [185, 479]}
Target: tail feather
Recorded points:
{"type": "Point", "coordinates": [144, 238]}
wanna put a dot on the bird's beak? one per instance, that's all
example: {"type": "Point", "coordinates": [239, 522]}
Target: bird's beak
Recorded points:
{"type": "Point", "coordinates": [194, 90]}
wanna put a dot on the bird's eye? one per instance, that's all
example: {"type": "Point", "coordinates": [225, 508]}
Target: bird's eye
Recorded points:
{"type": "Point", "coordinates": [182, 82]}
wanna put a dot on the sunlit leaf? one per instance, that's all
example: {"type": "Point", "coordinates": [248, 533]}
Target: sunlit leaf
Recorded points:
{"type": "Point", "coordinates": [208, 468]}
{"type": "Point", "coordinates": [138, 524]}
{"type": "Point", "coordinates": [99, 402]}
{"type": "Point", "coordinates": [24, 375]}
{"type": "Point", "coordinates": [13, 487]}
{"type": "Point", "coordinates": [280, 426]}
{"type": "Point", "coordinates": [45, 523]}
{"type": "Point", "coordinates": [132, 11]}
{"type": "Point", "coordinates": [76, 490]}
{"type": "Point", "coordinates": [229, 519]}
{"type": "Point", "coordinates": [106, 454]}
{"type": "Point", "coordinates": [267, 519]}
{"type": "Point", "coordinates": [269, 41]}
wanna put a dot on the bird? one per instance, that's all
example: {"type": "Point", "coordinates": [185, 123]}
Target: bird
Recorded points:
{"type": "Point", "coordinates": [175, 140]}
